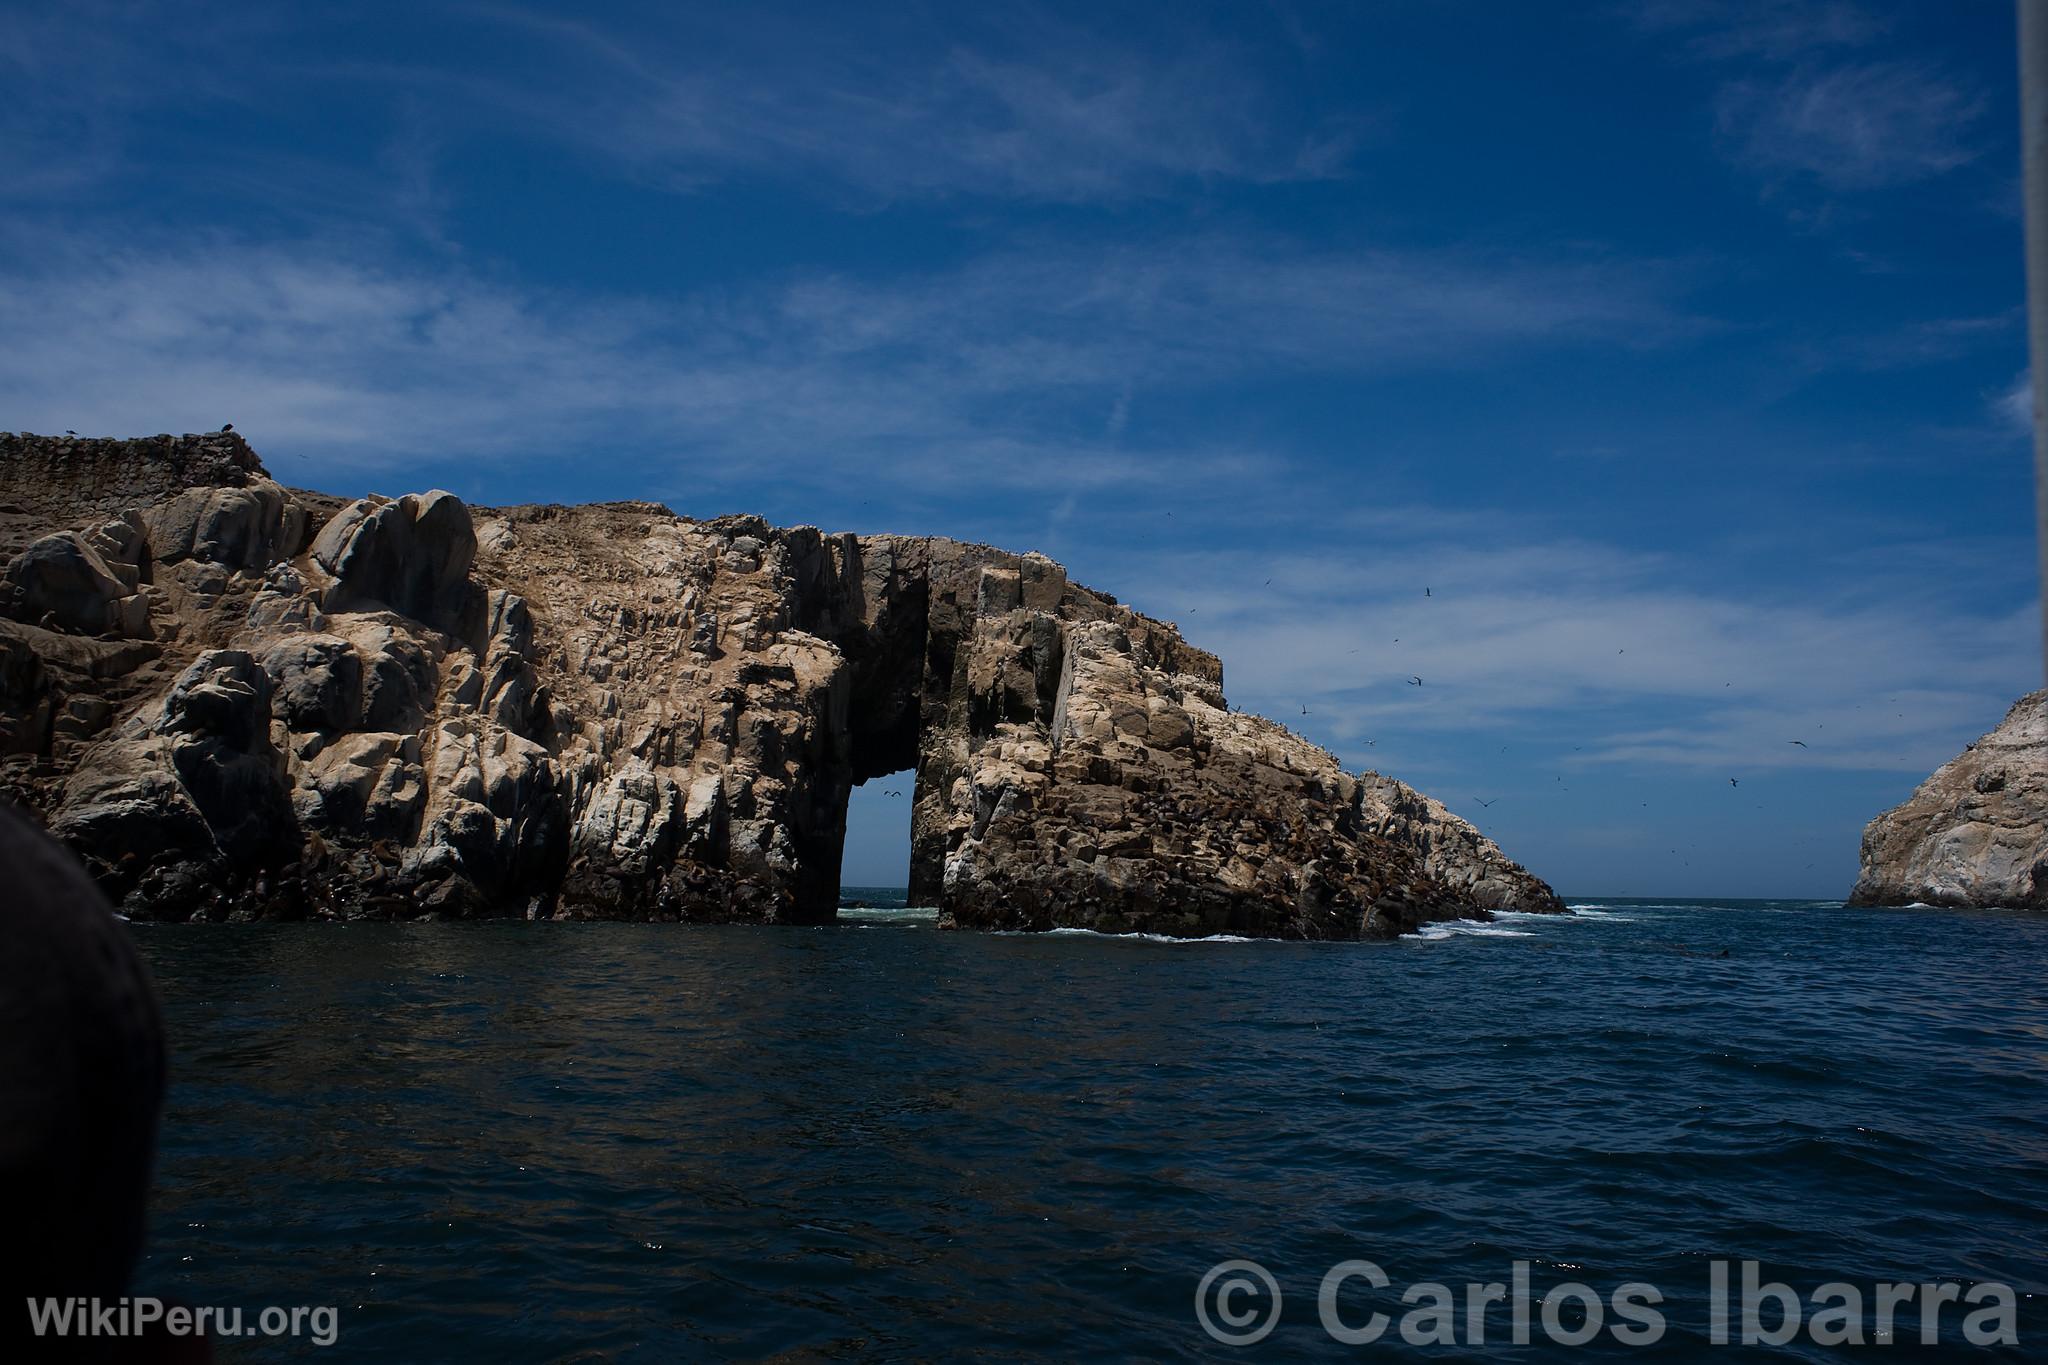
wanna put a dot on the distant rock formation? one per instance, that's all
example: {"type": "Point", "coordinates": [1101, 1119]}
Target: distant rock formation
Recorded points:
{"type": "Point", "coordinates": [1976, 831]}
{"type": "Point", "coordinates": [238, 700]}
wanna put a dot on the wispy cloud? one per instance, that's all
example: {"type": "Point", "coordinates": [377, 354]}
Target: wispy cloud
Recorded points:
{"type": "Point", "coordinates": [1904, 345]}
{"type": "Point", "coordinates": [2014, 405]}
{"type": "Point", "coordinates": [871, 104]}
{"type": "Point", "coordinates": [1776, 30]}
{"type": "Point", "coordinates": [1524, 635]}
{"type": "Point", "coordinates": [78, 77]}
{"type": "Point", "coordinates": [1810, 105]}
{"type": "Point", "coordinates": [360, 359]}
{"type": "Point", "coordinates": [1866, 126]}
{"type": "Point", "coordinates": [1018, 103]}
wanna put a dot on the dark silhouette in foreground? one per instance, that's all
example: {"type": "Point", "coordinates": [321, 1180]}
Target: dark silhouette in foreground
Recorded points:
{"type": "Point", "coordinates": [81, 1086]}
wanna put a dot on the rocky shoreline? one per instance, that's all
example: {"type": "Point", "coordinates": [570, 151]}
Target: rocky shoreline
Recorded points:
{"type": "Point", "coordinates": [236, 700]}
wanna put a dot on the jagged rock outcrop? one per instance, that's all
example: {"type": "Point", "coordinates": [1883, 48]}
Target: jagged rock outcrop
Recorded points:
{"type": "Point", "coordinates": [236, 699]}
{"type": "Point", "coordinates": [1975, 833]}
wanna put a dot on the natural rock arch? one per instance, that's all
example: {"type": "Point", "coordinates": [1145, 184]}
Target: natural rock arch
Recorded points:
{"type": "Point", "coordinates": [306, 706]}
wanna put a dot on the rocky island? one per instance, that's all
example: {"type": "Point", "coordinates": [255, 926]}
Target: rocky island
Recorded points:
{"type": "Point", "coordinates": [238, 700]}
{"type": "Point", "coordinates": [1975, 833]}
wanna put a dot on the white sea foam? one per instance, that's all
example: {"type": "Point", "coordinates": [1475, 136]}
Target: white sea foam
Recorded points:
{"type": "Point", "coordinates": [1158, 938]}
{"type": "Point", "coordinates": [1465, 928]}
{"type": "Point", "coordinates": [876, 916]}
{"type": "Point", "coordinates": [1599, 916]}
{"type": "Point", "coordinates": [1148, 938]}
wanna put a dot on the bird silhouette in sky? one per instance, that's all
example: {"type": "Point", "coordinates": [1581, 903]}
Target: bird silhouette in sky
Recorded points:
{"type": "Point", "coordinates": [1425, 592]}
{"type": "Point", "coordinates": [1733, 783]}
{"type": "Point", "coordinates": [1800, 742]}
{"type": "Point", "coordinates": [1414, 681]}
{"type": "Point", "coordinates": [1486, 803]}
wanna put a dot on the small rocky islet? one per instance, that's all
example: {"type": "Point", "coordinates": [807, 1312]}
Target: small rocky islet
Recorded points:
{"type": "Point", "coordinates": [1975, 833]}
{"type": "Point", "coordinates": [237, 700]}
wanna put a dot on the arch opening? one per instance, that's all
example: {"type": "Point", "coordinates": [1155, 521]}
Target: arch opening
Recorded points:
{"type": "Point", "coordinates": [874, 860]}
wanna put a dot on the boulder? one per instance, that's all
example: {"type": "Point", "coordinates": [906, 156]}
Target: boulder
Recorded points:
{"type": "Point", "coordinates": [239, 528]}
{"type": "Point", "coordinates": [411, 556]}
{"type": "Point", "coordinates": [62, 582]}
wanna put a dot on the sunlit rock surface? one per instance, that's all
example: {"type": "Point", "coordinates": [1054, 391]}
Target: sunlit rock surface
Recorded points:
{"type": "Point", "coordinates": [1976, 831]}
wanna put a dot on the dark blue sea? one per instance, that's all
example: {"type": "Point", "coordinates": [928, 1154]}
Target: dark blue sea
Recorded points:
{"type": "Point", "coordinates": [882, 1141]}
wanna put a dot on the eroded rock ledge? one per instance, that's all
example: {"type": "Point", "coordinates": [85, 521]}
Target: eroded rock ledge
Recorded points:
{"type": "Point", "coordinates": [1975, 833]}
{"type": "Point", "coordinates": [239, 700]}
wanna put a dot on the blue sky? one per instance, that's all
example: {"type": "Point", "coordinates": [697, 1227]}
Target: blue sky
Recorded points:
{"type": "Point", "coordinates": [1675, 347]}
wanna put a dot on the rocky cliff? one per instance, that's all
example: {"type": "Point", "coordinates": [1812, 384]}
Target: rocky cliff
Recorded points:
{"type": "Point", "coordinates": [1975, 833]}
{"type": "Point", "coordinates": [240, 700]}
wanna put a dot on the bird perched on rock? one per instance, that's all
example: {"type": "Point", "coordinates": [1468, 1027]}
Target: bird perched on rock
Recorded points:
{"type": "Point", "coordinates": [227, 428]}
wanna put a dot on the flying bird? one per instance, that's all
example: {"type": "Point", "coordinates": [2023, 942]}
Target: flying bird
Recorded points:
{"type": "Point", "coordinates": [1425, 592]}
{"type": "Point", "coordinates": [1733, 783]}
{"type": "Point", "coordinates": [1414, 681]}
{"type": "Point", "coordinates": [70, 433]}
{"type": "Point", "coordinates": [1486, 803]}
{"type": "Point", "coordinates": [1800, 742]}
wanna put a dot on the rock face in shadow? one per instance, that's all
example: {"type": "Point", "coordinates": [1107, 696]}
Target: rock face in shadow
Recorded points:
{"type": "Point", "coordinates": [241, 700]}
{"type": "Point", "coordinates": [1975, 833]}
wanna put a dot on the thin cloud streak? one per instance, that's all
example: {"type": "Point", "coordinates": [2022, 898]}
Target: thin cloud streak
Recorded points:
{"type": "Point", "coordinates": [1556, 637]}
{"type": "Point", "coordinates": [1034, 108]}
{"type": "Point", "coordinates": [362, 360]}
{"type": "Point", "coordinates": [1774, 30]}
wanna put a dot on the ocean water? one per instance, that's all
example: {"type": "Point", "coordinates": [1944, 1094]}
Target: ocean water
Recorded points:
{"type": "Point", "coordinates": [878, 1141]}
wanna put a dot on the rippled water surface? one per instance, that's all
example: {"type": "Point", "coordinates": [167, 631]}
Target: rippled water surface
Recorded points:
{"type": "Point", "coordinates": [882, 1141]}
